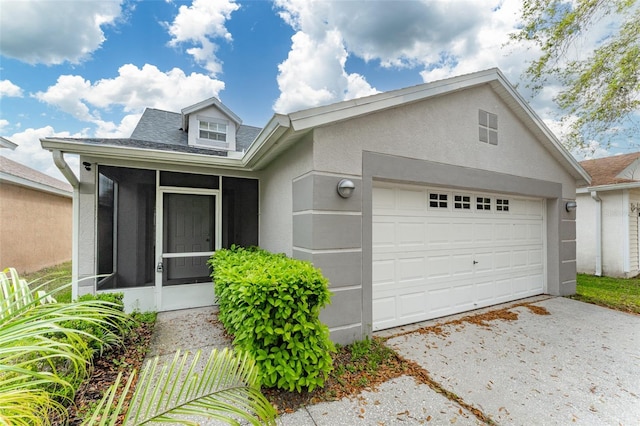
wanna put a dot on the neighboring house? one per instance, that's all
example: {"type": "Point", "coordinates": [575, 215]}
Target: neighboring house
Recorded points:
{"type": "Point", "coordinates": [607, 217]}
{"type": "Point", "coordinates": [35, 218]}
{"type": "Point", "coordinates": [457, 201]}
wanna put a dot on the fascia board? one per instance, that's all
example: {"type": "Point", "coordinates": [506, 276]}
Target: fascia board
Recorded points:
{"type": "Point", "coordinates": [612, 187]}
{"type": "Point", "coordinates": [6, 143]}
{"type": "Point", "coordinates": [16, 180]}
{"type": "Point", "coordinates": [314, 117]}
{"type": "Point", "coordinates": [147, 155]}
{"type": "Point", "coordinates": [547, 135]}
{"type": "Point", "coordinates": [257, 154]}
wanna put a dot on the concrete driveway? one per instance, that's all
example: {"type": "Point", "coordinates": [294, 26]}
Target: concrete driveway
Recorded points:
{"type": "Point", "coordinates": [568, 363]}
{"type": "Point", "coordinates": [579, 364]}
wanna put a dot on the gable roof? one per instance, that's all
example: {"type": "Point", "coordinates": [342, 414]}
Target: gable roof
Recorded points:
{"type": "Point", "coordinates": [303, 121]}
{"type": "Point", "coordinates": [611, 170]}
{"type": "Point", "coordinates": [284, 130]}
{"type": "Point", "coordinates": [206, 104]}
{"type": "Point", "coordinates": [19, 174]}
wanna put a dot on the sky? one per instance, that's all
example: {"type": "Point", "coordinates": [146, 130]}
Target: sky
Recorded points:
{"type": "Point", "coordinates": [89, 68]}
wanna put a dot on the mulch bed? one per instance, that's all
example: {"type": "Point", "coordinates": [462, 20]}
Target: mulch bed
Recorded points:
{"type": "Point", "coordinates": [120, 359]}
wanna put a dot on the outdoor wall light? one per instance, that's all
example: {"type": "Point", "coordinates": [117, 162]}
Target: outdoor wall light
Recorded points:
{"type": "Point", "coordinates": [570, 206]}
{"type": "Point", "coordinates": [346, 188]}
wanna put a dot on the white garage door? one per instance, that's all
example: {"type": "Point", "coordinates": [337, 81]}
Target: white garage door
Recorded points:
{"type": "Point", "coordinates": [440, 251]}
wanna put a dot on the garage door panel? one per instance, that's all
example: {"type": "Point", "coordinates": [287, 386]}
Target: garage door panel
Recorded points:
{"type": "Point", "coordinates": [411, 234]}
{"type": "Point", "coordinates": [383, 271]}
{"type": "Point", "coordinates": [502, 260]}
{"type": "Point", "coordinates": [483, 232]}
{"type": "Point", "coordinates": [462, 233]}
{"type": "Point", "coordinates": [384, 235]}
{"type": "Point", "coordinates": [424, 252]}
{"type": "Point", "coordinates": [438, 266]}
{"type": "Point", "coordinates": [462, 265]}
{"type": "Point", "coordinates": [411, 305]}
{"type": "Point", "coordinates": [411, 269]}
{"type": "Point", "coordinates": [410, 200]}
{"type": "Point", "coordinates": [438, 233]}
{"type": "Point", "coordinates": [535, 233]}
{"type": "Point", "coordinates": [503, 232]}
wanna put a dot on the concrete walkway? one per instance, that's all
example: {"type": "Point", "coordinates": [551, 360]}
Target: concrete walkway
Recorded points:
{"type": "Point", "coordinates": [580, 364]}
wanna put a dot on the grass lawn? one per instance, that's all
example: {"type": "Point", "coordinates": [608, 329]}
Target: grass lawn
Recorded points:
{"type": "Point", "coordinates": [617, 293]}
{"type": "Point", "coordinates": [53, 277]}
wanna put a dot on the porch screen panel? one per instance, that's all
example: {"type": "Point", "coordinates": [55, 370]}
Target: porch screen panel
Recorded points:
{"type": "Point", "coordinates": [125, 224]}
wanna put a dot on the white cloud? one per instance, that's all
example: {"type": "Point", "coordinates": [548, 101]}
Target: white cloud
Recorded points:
{"type": "Point", "coordinates": [30, 153]}
{"type": "Point", "coordinates": [8, 89]}
{"type": "Point", "coordinates": [132, 90]}
{"type": "Point", "coordinates": [432, 35]}
{"type": "Point", "coordinates": [3, 124]}
{"type": "Point", "coordinates": [52, 32]}
{"type": "Point", "coordinates": [591, 151]}
{"type": "Point", "coordinates": [313, 74]}
{"type": "Point", "coordinates": [199, 24]}
{"type": "Point", "coordinates": [107, 129]}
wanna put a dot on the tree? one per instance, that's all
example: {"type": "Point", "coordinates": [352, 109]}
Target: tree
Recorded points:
{"type": "Point", "coordinates": [601, 94]}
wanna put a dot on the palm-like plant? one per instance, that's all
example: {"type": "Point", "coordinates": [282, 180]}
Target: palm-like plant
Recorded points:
{"type": "Point", "coordinates": [226, 388]}
{"type": "Point", "coordinates": [43, 358]}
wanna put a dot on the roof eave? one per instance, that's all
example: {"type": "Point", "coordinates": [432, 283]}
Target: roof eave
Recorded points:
{"type": "Point", "coordinates": [269, 143]}
{"type": "Point", "coordinates": [608, 187]}
{"type": "Point", "coordinates": [6, 143]}
{"type": "Point", "coordinates": [147, 155]}
{"type": "Point", "coordinates": [17, 180]}
{"type": "Point", "coordinates": [552, 143]}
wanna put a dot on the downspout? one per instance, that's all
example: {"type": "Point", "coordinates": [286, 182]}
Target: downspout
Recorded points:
{"type": "Point", "coordinates": [61, 164]}
{"type": "Point", "coordinates": [596, 198]}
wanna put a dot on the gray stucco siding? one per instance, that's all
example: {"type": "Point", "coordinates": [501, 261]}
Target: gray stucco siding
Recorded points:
{"type": "Point", "coordinates": [344, 309]}
{"type": "Point", "coordinates": [319, 192]}
{"type": "Point", "coordinates": [441, 130]}
{"type": "Point", "coordinates": [276, 197]}
{"type": "Point", "coordinates": [327, 231]}
{"type": "Point", "coordinates": [341, 268]}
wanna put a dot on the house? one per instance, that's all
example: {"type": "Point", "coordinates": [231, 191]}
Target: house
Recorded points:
{"type": "Point", "coordinates": [415, 203]}
{"type": "Point", "coordinates": [35, 217]}
{"type": "Point", "coordinates": [607, 217]}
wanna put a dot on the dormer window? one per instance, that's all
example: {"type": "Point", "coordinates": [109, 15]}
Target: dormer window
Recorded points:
{"type": "Point", "coordinates": [210, 124]}
{"type": "Point", "coordinates": [213, 130]}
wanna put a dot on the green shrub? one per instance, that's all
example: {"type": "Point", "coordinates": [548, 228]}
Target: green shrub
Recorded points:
{"type": "Point", "coordinates": [108, 331]}
{"type": "Point", "coordinates": [271, 305]}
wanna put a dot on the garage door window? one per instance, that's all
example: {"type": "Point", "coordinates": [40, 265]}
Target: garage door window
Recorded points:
{"type": "Point", "coordinates": [437, 200]}
{"type": "Point", "coordinates": [502, 205]}
{"type": "Point", "coordinates": [462, 202]}
{"type": "Point", "coordinates": [483, 203]}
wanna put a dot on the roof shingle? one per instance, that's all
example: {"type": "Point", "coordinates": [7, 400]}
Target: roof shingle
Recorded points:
{"type": "Point", "coordinates": [605, 171]}
{"type": "Point", "coordinates": [21, 171]}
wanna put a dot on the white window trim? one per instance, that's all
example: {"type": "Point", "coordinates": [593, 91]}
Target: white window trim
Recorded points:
{"type": "Point", "coordinates": [210, 143]}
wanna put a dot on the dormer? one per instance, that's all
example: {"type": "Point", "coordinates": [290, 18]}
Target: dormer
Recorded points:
{"type": "Point", "coordinates": [210, 124]}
